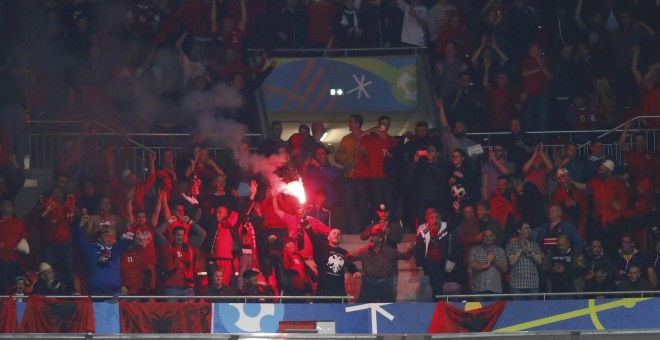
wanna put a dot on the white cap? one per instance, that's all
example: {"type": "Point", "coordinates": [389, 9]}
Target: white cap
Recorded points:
{"type": "Point", "coordinates": [44, 267]}
{"type": "Point", "coordinates": [609, 165]}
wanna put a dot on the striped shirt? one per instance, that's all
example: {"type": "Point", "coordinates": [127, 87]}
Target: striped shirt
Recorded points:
{"type": "Point", "coordinates": [489, 279]}
{"type": "Point", "coordinates": [524, 274]}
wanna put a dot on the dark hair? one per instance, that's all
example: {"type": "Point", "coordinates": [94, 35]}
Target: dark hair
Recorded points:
{"type": "Point", "coordinates": [358, 119]}
{"type": "Point", "coordinates": [384, 117]}
{"type": "Point", "coordinates": [249, 274]}
{"type": "Point", "coordinates": [483, 203]}
{"type": "Point", "coordinates": [177, 228]}
{"type": "Point", "coordinates": [422, 123]}
{"type": "Point", "coordinates": [276, 122]}
{"type": "Point", "coordinates": [461, 152]}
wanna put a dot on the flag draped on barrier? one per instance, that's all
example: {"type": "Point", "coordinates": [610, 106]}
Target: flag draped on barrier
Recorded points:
{"type": "Point", "coordinates": [8, 316]}
{"type": "Point", "coordinates": [448, 319]}
{"type": "Point", "coordinates": [165, 317]}
{"type": "Point", "coordinates": [46, 315]}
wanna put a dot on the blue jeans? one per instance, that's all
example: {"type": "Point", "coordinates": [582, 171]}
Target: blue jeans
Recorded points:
{"type": "Point", "coordinates": [181, 291]}
{"type": "Point", "coordinates": [536, 113]}
{"type": "Point", "coordinates": [524, 291]}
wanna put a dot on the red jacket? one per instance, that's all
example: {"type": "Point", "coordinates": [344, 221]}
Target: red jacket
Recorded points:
{"type": "Point", "coordinates": [561, 196]}
{"type": "Point", "coordinates": [604, 193]}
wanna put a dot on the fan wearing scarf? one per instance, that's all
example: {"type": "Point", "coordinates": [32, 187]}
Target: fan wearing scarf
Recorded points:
{"type": "Point", "coordinates": [103, 258]}
{"type": "Point", "coordinates": [346, 26]}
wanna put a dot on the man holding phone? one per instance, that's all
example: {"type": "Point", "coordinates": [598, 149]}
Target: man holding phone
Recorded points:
{"type": "Point", "coordinates": [429, 176]}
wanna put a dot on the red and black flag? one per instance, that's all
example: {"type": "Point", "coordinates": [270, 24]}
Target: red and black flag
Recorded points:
{"type": "Point", "coordinates": [165, 317]}
{"type": "Point", "coordinates": [448, 319]}
{"type": "Point", "coordinates": [46, 315]}
{"type": "Point", "coordinates": [8, 316]}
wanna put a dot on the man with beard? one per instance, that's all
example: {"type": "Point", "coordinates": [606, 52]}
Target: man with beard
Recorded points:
{"type": "Point", "coordinates": [607, 191]}
{"type": "Point", "coordinates": [639, 159]}
{"type": "Point", "coordinates": [519, 144]}
{"type": "Point", "coordinates": [138, 264]}
{"type": "Point", "coordinates": [392, 229]}
{"type": "Point", "coordinates": [453, 138]}
{"type": "Point", "coordinates": [504, 206]}
{"type": "Point", "coordinates": [379, 277]}
{"type": "Point", "coordinates": [178, 260]}
{"type": "Point", "coordinates": [103, 258]}
{"type": "Point", "coordinates": [497, 166]}
{"type": "Point", "coordinates": [485, 221]}
{"type": "Point", "coordinates": [573, 200]}
{"type": "Point", "coordinates": [269, 145]}
{"type": "Point", "coordinates": [355, 171]}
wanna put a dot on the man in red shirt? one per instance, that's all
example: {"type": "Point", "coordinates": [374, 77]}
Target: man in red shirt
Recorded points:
{"type": "Point", "coordinates": [377, 144]}
{"type": "Point", "coordinates": [573, 201]}
{"type": "Point", "coordinates": [178, 257]}
{"type": "Point", "coordinates": [138, 264]}
{"type": "Point", "coordinates": [607, 191]}
{"type": "Point", "coordinates": [639, 161]}
{"type": "Point", "coordinates": [536, 77]}
{"type": "Point", "coordinates": [12, 232]}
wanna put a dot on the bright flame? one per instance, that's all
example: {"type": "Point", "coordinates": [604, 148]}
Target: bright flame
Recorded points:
{"type": "Point", "coordinates": [296, 190]}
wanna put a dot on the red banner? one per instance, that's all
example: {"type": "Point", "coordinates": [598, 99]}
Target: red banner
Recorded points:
{"type": "Point", "coordinates": [448, 319]}
{"type": "Point", "coordinates": [46, 315]}
{"type": "Point", "coordinates": [165, 317]}
{"type": "Point", "coordinates": [8, 316]}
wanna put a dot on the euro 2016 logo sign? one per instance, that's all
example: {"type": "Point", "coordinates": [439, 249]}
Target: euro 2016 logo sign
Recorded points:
{"type": "Point", "coordinates": [250, 317]}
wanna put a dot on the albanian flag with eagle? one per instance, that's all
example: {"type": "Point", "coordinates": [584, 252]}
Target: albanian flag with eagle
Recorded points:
{"type": "Point", "coordinates": [8, 316]}
{"type": "Point", "coordinates": [449, 319]}
{"type": "Point", "coordinates": [47, 315]}
{"type": "Point", "coordinates": [165, 317]}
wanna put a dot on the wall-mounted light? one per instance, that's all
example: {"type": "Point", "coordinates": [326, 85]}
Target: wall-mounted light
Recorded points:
{"type": "Point", "coordinates": [336, 92]}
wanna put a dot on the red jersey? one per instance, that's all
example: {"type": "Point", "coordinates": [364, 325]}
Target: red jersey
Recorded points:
{"type": "Point", "coordinates": [377, 148]}
{"type": "Point", "coordinates": [501, 206]}
{"type": "Point", "coordinates": [537, 83]}
{"type": "Point", "coordinates": [232, 40]}
{"type": "Point", "coordinates": [179, 265]}
{"type": "Point", "coordinates": [143, 20]}
{"type": "Point", "coordinates": [321, 14]}
{"type": "Point", "coordinates": [296, 263]}
{"type": "Point", "coordinates": [141, 189]}
{"type": "Point", "coordinates": [144, 241]}
{"type": "Point", "coordinates": [604, 193]}
{"type": "Point", "coordinates": [502, 106]}
{"type": "Point", "coordinates": [581, 117]}
{"type": "Point", "coordinates": [561, 196]}
{"type": "Point", "coordinates": [133, 265]}
{"type": "Point", "coordinates": [640, 164]}
{"type": "Point", "coordinates": [651, 107]}
{"type": "Point", "coordinates": [11, 232]}
{"type": "Point", "coordinates": [223, 244]}
{"type": "Point", "coordinates": [57, 224]}
{"type": "Point", "coordinates": [293, 223]}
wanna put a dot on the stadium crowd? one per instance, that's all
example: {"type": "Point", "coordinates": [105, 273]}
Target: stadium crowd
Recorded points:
{"type": "Point", "coordinates": [513, 220]}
